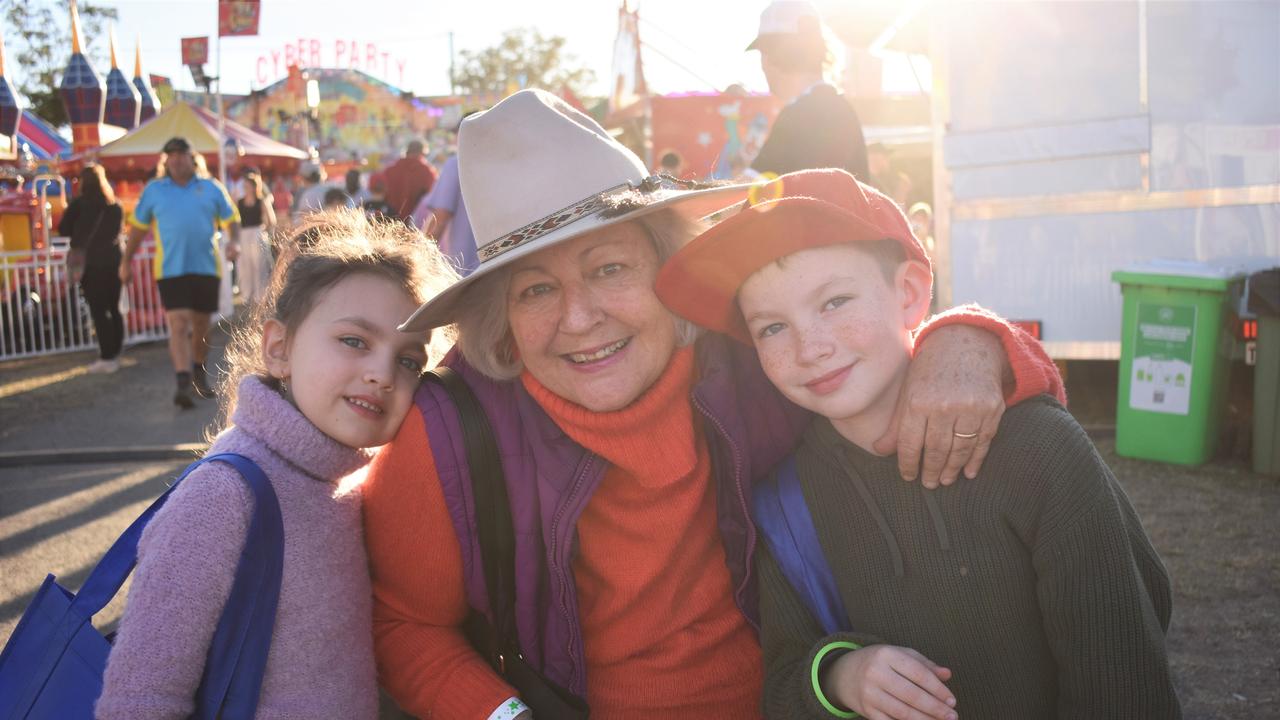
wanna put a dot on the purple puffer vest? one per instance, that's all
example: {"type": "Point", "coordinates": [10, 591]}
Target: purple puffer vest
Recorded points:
{"type": "Point", "coordinates": [550, 479]}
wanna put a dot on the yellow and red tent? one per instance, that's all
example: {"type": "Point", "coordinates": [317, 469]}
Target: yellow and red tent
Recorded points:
{"type": "Point", "coordinates": [135, 153]}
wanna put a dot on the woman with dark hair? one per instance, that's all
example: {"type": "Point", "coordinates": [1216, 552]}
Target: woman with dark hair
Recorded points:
{"type": "Point", "coordinates": [93, 221]}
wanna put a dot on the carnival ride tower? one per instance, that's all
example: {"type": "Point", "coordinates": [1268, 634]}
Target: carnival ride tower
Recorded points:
{"type": "Point", "coordinates": [123, 103]}
{"type": "Point", "coordinates": [149, 104]}
{"type": "Point", "coordinates": [83, 94]}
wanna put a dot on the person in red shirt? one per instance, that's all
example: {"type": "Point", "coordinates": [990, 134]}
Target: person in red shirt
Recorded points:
{"type": "Point", "coordinates": [408, 180]}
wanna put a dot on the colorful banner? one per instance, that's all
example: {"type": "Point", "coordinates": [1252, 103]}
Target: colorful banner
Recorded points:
{"type": "Point", "coordinates": [238, 17]}
{"type": "Point", "coordinates": [195, 50]}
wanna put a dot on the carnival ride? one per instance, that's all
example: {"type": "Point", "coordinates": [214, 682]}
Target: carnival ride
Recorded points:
{"type": "Point", "coordinates": [117, 123]}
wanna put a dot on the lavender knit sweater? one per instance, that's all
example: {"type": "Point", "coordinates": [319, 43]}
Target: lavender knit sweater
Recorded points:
{"type": "Point", "coordinates": [321, 662]}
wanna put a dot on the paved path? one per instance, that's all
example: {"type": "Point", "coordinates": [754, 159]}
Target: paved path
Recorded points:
{"type": "Point", "coordinates": [51, 403]}
{"type": "Point", "coordinates": [60, 515]}
{"type": "Point", "coordinates": [60, 519]}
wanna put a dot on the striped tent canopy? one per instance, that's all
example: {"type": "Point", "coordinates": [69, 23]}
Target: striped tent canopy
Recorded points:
{"type": "Point", "coordinates": [41, 138]}
{"type": "Point", "coordinates": [137, 151]}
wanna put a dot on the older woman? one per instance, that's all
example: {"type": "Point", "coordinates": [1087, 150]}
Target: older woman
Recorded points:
{"type": "Point", "coordinates": [628, 447]}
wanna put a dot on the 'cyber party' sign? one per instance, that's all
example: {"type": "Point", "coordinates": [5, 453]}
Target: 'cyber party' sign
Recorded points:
{"type": "Point", "coordinates": [316, 53]}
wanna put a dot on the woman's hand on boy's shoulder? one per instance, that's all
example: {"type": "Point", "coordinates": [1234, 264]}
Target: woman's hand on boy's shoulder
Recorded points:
{"type": "Point", "coordinates": [949, 407]}
{"type": "Point", "coordinates": [886, 681]}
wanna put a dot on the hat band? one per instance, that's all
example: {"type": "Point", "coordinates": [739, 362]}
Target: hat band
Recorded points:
{"type": "Point", "coordinates": [570, 214]}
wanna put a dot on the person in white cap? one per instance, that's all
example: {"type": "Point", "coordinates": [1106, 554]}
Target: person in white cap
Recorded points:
{"type": "Point", "coordinates": [628, 443]}
{"type": "Point", "coordinates": [818, 128]}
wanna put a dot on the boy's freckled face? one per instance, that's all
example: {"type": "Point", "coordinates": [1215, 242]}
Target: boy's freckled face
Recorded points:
{"type": "Point", "coordinates": [832, 333]}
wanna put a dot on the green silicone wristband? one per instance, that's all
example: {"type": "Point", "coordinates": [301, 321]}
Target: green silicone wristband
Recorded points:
{"type": "Point", "coordinates": [817, 684]}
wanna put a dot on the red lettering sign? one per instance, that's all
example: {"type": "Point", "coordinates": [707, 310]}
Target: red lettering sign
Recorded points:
{"type": "Point", "coordinates": [311, 52]}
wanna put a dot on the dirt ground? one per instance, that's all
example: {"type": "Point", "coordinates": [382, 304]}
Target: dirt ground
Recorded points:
{"type": "Point", "coordinates": [1216, 528]}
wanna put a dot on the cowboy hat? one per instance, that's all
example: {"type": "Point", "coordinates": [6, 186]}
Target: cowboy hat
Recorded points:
{"type": "Point", "coordinates": [535, 172]}
{"type": "Point", "coordinates": [794, 212]}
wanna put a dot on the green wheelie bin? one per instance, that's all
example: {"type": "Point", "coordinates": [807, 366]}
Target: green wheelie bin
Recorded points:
{"type": "Point", "coordinates": [1264, 304]}
{"type": "Point", "coordinates": [1175, 351]}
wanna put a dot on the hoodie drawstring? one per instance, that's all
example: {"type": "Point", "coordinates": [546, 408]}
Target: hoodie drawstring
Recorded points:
{"type": "Point", "coordinates": [935, 512]}
{"type": "Point", "coordinates": [874, 508]}
{"type": "Point", "coordinates": [930, 502]}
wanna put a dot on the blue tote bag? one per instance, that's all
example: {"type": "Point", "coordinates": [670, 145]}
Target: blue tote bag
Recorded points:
{"type": "Point", "coordinates": [53, 664]}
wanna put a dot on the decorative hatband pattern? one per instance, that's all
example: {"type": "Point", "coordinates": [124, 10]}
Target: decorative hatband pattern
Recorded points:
{"type": "Point", "coordinates": [572, 213]}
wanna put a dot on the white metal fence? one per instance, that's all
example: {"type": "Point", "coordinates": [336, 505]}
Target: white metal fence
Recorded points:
{"type": "Point", "coordinates": [43, 313]}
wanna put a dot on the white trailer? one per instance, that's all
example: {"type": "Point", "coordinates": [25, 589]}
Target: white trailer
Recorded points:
{"type": "Point", "coordinates": [1072, 139]}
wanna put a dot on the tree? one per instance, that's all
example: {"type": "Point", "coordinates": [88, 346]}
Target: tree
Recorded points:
{"type": "Point", "coordinates": [523, 59]}
{"type": "Point", "coordinates": [40, 33]}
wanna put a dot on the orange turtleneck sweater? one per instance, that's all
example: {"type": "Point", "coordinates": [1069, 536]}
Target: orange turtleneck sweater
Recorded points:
{"type": "Point", "coordinates": [662, 635]}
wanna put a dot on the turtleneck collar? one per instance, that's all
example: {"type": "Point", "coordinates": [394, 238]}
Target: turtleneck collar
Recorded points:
{"type": "Point", "coordinates": [653, 439]}
{"type": "Point", "coordinates": [266, 415]}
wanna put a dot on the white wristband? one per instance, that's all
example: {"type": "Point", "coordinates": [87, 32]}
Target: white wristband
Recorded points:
{"type": "Point", "coordinates": [509, 708]}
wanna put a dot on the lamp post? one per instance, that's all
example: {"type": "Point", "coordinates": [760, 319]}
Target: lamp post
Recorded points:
{"type": "Point", "coordinates": [313, 105]}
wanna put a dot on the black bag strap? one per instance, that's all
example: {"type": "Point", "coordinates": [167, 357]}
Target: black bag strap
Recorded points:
{"type": "Point", "coordinates": [493, 510]}
{"type": "Point", "coordinates": [499, 640]}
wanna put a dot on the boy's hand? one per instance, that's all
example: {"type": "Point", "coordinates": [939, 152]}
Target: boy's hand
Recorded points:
{"type": "Point", "coordinates": [950, 406]}
{"type": "Point", "coordinates": [883, 681]}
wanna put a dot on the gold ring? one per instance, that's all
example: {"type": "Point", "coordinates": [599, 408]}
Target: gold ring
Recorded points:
{"type": "Point", "coordinates": [966, 436]}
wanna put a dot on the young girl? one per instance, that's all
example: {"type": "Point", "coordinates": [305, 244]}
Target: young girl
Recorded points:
{"type": "Point", "coordinates": [319, 381]}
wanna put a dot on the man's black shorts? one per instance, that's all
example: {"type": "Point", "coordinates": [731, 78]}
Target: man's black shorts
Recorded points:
{"type": "Point", "coordinates": [190, 292]}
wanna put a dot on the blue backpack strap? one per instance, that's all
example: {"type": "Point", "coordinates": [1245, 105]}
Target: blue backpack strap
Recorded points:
{"type": "Point", "coordinates": [238, 655]}
{"type": "Point", "coordinates": [237, 658]}
{"type": "Point", "coordinates": [783, 518]}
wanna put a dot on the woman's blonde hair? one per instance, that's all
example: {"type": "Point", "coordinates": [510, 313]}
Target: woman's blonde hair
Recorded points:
{"type": "Point", "coordinates": [483, 328]}
{"type": "Point", "coordinates": [326, 248]}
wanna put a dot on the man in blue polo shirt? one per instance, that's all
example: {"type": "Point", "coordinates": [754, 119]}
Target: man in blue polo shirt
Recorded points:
{"type": "Point", "coordinates": [184, 211]}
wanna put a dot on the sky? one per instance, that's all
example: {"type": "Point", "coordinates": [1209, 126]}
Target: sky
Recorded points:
{"type": "Point", "coordinates": [690, 45]}
{"type": "Point", "coordinates": [703, 40]}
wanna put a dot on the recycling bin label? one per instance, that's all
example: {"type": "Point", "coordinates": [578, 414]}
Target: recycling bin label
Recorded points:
{"type": "Point", "coordinates": [1162, 353]}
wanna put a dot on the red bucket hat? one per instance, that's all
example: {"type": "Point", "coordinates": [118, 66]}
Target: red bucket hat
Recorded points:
{"type": "Point", "coordinates": [797, 211]}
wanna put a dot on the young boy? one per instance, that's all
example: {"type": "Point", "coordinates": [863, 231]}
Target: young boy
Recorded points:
{"type": "Point", "coordinates": [1028, 592]}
